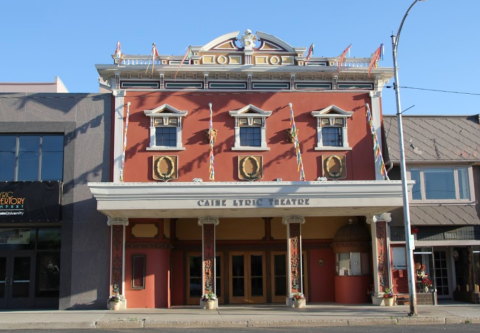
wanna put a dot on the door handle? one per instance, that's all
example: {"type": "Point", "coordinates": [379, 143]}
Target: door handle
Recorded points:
{"type": "Point", "coordinates": [8, 281]}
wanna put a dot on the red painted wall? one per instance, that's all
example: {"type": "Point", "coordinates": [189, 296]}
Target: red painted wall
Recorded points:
{"type": "Point", "coordinates": [352, 289]}
{"type": "Point", "coordinates": [278, 162]}
{"type": "Point", "coordinates": [156, 293]}
{"type": "Point", "coordinates": [178, 278]}
{"type": "Point", "coordinates": [322, 276]}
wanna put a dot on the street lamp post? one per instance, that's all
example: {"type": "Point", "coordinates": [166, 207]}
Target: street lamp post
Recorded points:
{"type": "Point", "coordinates": [406, 210]}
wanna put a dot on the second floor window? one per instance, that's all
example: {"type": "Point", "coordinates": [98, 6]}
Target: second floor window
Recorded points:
{"type": "Point", "coordinates": [332, 136]}
{"type": "Point", "coordinates": [166, 136]}
{"type": "Point", "coordinates": [441, 184]}
{"type": "Point", "coordinates": [31, 157]}
{"type": "Point", "coordinates": [250, 137]}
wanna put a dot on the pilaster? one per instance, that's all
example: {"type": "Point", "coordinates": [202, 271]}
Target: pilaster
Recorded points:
{"type": "Point", "coordinates": [380, 251]}
{"type": "Point", "coordinates": [294, 254]}
{"type": "Point", "coordinates": [208, 225]}
{"type": "Point", "coordinates": [117, 257]}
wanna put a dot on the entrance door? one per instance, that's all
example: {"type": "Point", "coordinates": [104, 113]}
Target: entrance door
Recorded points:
{"type": "Point", "coordinates": [441, 274]}
{"type": "Point", "coordinates": [247, 277]}
{"type": "Point", "coordinates": [16, 280]}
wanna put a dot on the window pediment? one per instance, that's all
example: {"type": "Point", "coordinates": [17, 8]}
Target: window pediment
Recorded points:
{"type": "Point", "coordinates": [165, 110]}
{"type": "Point", "coordinates": [250, 111]}
{"type": "Point", "coordinates": [332, 111]}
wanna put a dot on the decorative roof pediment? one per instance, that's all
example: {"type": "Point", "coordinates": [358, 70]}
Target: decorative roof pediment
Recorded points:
{"type": "Point", "coordinates": [270, 43]}
{"type": "Point", "coordinates": [332, 110]}
{"type": "Point", "coordinates": [250, 110]}
{"type": "Point", "coordinates": [165, 109]}
{"type": "Point", "coordinates": [225, 42]}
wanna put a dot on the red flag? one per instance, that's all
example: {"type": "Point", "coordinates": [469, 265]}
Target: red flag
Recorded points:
{"type": "Point", "coordinates": [310, 52]}
{"type": "Point", "coordinates": [375, 57]}
{"type": "Point", "coordinates": [342, 57]}
{"type": "Point", "coordinates": [154, 51]}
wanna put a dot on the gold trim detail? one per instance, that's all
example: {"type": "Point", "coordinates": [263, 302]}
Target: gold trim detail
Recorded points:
{"type": "Point", "coordinates": [165, 176]}
{"type": "Point", "coordinates": [332, 174]}
{"type": "Point", "coordinates": [252, 175]}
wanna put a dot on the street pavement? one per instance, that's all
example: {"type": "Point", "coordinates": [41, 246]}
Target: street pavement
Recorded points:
{"type": "Point", "coordinates": [243, 316]}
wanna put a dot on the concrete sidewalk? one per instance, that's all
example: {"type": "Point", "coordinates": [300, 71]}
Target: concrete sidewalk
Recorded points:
{"type": "Point", "coordinates": [243, 316]}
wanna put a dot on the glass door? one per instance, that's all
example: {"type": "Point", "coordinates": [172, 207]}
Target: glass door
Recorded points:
{"type": "Point", "coordinates": [16, 280]}
{"type": "Point", "coordinates": [3, 280]}
{"type": "Point", "coordinates": [441, 274]}
{"type": "Point", "coordinates": [247, 277]}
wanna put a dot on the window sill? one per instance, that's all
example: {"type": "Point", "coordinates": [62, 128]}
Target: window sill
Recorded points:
{"type": "Point", "coordinates": [333, 148]}
{"type": "Point", "coordinates": [251, 148]}
{"type": "Point", "coordinates": [165, 148]}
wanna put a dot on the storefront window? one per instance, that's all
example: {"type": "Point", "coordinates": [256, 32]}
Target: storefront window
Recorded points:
{"type": "Point", "coordinates": [48, 274]}
{"type": "Point", "coordinates": [424, 269]}
{"type": "Point", "coordinates": [17, 239]}
{"type": "Point", "coordinates": [49, 239]}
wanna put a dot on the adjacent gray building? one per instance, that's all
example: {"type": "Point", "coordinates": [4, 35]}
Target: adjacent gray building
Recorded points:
{"type": "Point", "coordinates": [55, 256]}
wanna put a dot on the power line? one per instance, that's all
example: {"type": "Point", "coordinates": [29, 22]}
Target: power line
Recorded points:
{"type": "Point", "coordinates": [437, 90]}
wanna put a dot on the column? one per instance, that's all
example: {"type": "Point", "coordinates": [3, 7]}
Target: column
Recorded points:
{"type": "Point", "coordinates": [208, 225]}
{"type": "Point", "coordinates": [117, 258]}
{"type": "Point", "coordinates": [294, 256]}
{"type": "Point", "coordinates": [380, 251]}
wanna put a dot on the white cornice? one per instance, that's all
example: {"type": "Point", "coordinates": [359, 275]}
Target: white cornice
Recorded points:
{"type": "Point", "coordinates": [222, 199]}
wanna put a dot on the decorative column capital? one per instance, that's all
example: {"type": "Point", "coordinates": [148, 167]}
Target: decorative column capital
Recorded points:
{"type": "Point", "coordinates": [384, 217]}
{"type": "Point", "coordinates": [117, 221]}
{"type": "Point", "coordinates": [293, 219]}
{"type": "Point", "coordinates": [208, 220]}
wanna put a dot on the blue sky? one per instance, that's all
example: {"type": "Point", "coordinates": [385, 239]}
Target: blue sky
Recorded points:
{"type": "Point", "coordinates": [439, 46]}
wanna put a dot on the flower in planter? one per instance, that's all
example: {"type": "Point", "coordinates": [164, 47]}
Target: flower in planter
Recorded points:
{"type": "Point", "coordinates": [388, 293]}
{"type": "Point", "coordinates": [209, 297]}
{"type": "Point", "coordinates": [113, 299]}
{"type": "Point", "coordinates": [298, 297]}
{"type": "Point", "coordinates": [426, 282]}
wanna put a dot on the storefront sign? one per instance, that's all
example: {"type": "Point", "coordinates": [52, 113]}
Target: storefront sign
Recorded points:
{"type": "Point", "coordinates": [252, 202]}
{"type": "Point", "coordinates": [29, 201]}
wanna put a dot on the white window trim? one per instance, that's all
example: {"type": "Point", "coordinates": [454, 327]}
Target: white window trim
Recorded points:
{"type": "Point", "coordinates": [165, 112]}
{"type": "Point", "coordinates": [330, 113]}
{"type": "Point", "coordinates": [243, 113]}
{"type": "Point", "coordinates": [457, 188]}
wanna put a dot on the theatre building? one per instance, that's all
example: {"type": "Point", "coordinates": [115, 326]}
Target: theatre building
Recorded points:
{"type": "Point", "coordinates": [215, 188]}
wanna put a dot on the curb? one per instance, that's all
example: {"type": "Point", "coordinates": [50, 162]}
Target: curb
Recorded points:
{"type": "Point", "coordinates": [145, 323]}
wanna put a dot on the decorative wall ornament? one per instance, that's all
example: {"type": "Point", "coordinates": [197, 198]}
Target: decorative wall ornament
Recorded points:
{"type": "Point", "coordinates": [206, 135]}
{"type": "Point", "coordinates": [334, 166]}
{"type": "Point", "coordinates": [250, 167]}
{"type": "Point", "coordinates": [165, 168]}
{"type": "Point", "coordinates": [289, 135]}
